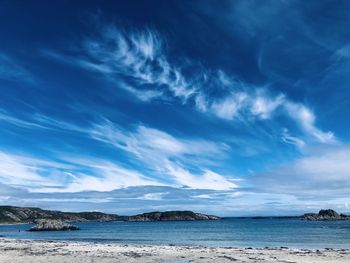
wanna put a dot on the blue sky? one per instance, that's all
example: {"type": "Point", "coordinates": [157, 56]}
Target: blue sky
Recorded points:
{"type": "Point", "coordinates": [229, 107]}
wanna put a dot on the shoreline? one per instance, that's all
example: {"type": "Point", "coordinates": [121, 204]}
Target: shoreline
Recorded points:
{"type": "Point", "coordinates": [24, 250]}
{"type": "Point", "coordinates": [160, 244]}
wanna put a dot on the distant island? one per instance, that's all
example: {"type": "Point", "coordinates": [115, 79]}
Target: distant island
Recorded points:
{"type": "Point", "coordinates": [325, 215]}
{"type": "Point", "coordinates": [15, 215]}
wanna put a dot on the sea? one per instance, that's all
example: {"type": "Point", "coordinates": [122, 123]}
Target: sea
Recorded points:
{"type": "Point", "coordinates": [228, 232]}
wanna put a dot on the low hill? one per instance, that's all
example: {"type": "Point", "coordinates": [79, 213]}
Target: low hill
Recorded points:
{"type": "Point", "coordinates": [170, 216]}
{"type": "Point", "coordinates": [13, 214]}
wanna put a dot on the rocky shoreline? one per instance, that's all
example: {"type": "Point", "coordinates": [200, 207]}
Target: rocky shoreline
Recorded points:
{"type": "Point", "coordinates": [325, 215]}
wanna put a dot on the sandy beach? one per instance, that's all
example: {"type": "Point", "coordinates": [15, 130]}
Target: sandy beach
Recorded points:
{"type": "Point", "coordinates": [52, 251]}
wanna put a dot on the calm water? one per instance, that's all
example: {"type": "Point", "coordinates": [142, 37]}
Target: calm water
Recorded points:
{"type": "Point", "coordinates": [227, 232]}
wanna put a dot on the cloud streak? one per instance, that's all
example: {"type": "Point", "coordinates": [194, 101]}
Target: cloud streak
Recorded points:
{"type": "Point", "coordinates": [67, 174]}
{"type": "Point", "coordinates": [165, 154]}
{"type": "Point", "coordinates": [138, 62]}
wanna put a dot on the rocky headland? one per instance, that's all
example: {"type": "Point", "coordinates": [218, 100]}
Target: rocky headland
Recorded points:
{"type": "Point", "coordinates": [13, 215]}
{"type": "Point", "coordinates": [325, 215]}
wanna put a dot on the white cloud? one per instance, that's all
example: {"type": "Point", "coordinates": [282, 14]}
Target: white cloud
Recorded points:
{"type": "Point", "coordinates": [264, 106]}
{"type": "Point", "coordinates": [110, 176]}
{"type": "Point", "coordinates": [242, 105]}
{"type": "Point", "coordinates": [161, 152]}
{"type": "Point", "coordinates": [287, 138]}
{"type": "Point", "coordinates": [151, 143]}
{"type": "Point", "coordinates": [164, 154]}
{"type": "Point", "coordinates": [143, 95]}
{"type": "Point", "coordinates": [324, 171]}
{"type": "Point", "coordinates": [27, 172]}
{"type": "Point", "coordinates": [330, 166]}
{"type": "Point", "coordinates": [7, 117]}
{"type": "Point", "coordinates": [102, 175]}
{"type": "Point", "coordinates": [139, 63]}
{"type": "Point", "coordinates": [207, 180]}
{"type": "Point", "coordinates": [65, 175]}
{"type": "Point", "coordinates": [141, 56]}
{"type": "Point", "coordinates": [230, 107]}
{"type": "Point", "coordinates": [138, 55]}
{"type": "Point", "coordinates": [201, 102]}
{"type": "Point", "coordinates": [153, 196]}
{"type": "Point", "coordinates": [154, 148]}
{"type": "Point", "coordinates": [38, 121]}
{"type": "Point", "coordinates": [306, 120]}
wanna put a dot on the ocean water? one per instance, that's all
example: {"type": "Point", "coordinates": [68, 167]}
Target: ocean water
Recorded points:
{"type": "Point", "coordinates": [291, 233]}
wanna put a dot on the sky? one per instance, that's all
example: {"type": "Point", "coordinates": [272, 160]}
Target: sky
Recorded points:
{"type": "Point", "coordinates": [233, 108]}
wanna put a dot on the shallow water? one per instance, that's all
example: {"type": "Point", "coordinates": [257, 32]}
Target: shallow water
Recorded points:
{"type": "Point", "coordinates": [228, 232]}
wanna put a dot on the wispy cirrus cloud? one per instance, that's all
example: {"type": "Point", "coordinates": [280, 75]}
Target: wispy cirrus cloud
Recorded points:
{"type": "Point", "coordinates": [159, 143]}
{"type": "Point", "coordinates": [288, 138]}
{"type": "Point", "coordinates": [305, 118]}
{"type": "Point", "coordinates": [19, 122]}
{"type": "Point", "coordinates": [67, 174]}
{"type": "Point", "coordinates": [172, 161]}
{"type": "Point", "coordinates": [167, 155]}
{"type": "Point", "coordinates": [99, 175]}
{"type": "Point", "coordinates": [139, 63]}
{"type": "Point", "coordinates": [27, 172]}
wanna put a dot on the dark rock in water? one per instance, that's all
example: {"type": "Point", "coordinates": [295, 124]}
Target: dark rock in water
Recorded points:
{"type": "Point", "coordinates": [170, 216]}
{"type": "Point", "coordinates": [52, 225]}
{"type": "Point", "coordinates": [325, 215]}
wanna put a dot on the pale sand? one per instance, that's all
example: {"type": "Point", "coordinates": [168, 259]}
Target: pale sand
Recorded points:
{"type": "Point", "coordinates": [18, 251]}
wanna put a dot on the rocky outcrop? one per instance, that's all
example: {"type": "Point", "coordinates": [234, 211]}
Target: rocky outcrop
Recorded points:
{"type": "Point", "coordinates": [12, 214]}
{"type": "Point", "coordinates": [170, 216]}
{"type": "Point", "coordinates": [325, 215]}
{"type": "Point", "coordinates": [52, 225]}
